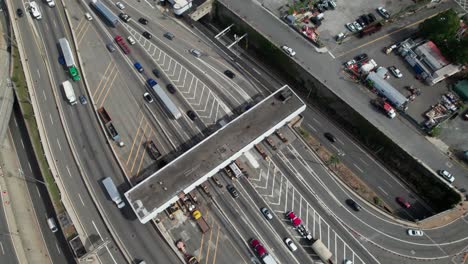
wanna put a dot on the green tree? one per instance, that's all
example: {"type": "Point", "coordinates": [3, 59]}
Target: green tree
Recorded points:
{"type": "Point", "coordinates": [333, 161]}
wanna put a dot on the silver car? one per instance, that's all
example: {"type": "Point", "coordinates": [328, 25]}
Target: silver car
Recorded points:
{"type": "Point", "coordinates": [351, 27]}
{"type": "Point", "coordinates": [266, 213]}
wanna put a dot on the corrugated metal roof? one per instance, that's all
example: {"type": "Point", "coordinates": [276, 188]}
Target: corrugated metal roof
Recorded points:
{"type": "Point", "coordinates": [387, 90]}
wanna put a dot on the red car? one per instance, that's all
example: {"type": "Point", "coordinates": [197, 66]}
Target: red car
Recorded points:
{"type": "Point", "coordinates": [402, 202]}
{"type": "Point", "coordinates": [259, 249]}
{"type": "Point", "coordinates": [293, 218]}
{"type": "Point", "coordinates": [122, 44]}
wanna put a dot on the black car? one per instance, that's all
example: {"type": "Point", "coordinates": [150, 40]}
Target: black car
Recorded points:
{"type": "Point", "coordinates": [147, 35]}
{"type": "Point", "coordinates": [232, 190]}
{"type": "Point", "coordinates": [125, 17]}
{"type": "Point", "coordinates": [171, 88]}
{"type": "Point", "coordinates": [361, 22]}
{"type": "Point", "coordinates": [361, 57]}
{"type": "Point", "coordinates": [19, 12]}
{"type": "Point", "coordinates": [356, 207]}
{"type": "Point", "coordinates": [192, 115]}
{"type": "Point", "coordinates": [156, 73]}
{"type": "Point", "coordinates": [371, 17]}
{"type": "Point", "coordinates": [143, 21]}
{"type": "Point", "coordinates": [365, 19]}
{"type": "Point", "coordinates": [229, 74]}
{"type": "Point", "coordinates": [330, 136]}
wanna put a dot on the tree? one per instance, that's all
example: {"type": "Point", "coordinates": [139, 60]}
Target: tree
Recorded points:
{"type": "Point", "coordinates": [442, 30]}
{"type": "Point", "coordinates": [334, 160]}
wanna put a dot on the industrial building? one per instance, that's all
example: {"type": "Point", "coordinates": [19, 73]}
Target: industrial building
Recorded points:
{"type": "Point", "coordinates": [164, 187]}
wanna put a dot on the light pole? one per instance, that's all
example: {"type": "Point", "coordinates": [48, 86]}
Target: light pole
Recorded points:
{"type": "Point", "coordinates": [27, 178]}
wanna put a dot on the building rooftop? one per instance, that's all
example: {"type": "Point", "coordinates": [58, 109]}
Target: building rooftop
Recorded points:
{"type": "Point", "coordinates": [186, 172]}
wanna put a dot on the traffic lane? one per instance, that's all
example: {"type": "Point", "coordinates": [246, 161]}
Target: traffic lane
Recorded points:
{"type": "Point", "coordinates": [362, 224]}
{"type": "Point", "coordinates": [267, 236]}
{"type": "Point", "coordinates": [398, 131]}
{"type": "Point", "coordinates": [362, 164]}
{"type": "Point", "coordinates": [43, 208]}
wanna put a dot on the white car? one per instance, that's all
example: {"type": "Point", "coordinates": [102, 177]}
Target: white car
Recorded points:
{"type": "Point", "coordinates": [88, 16]}
{"type": "Point", "coordinates": [357, 26]}
{"type": "Point", "coordinates": [148, 97]}
{"type": "Point", "coordinates": [288, 50]}
{"type": "Point", "coordinates": [290, 244]}
{"type": "Point", "coordinates": [349, 63]}
{"type": "Point", "coordinates": [34, 9]}
{"type": "Point", "coordinates": [351, 27]}
{"type": "Point", "coordinates": [415, 232]}
{"type": "Point", "coordinates": [120, 5]}
{"type": "Point", "coordinates": [50, 3]}
{"type": "Point", "coordinates": [383, 12]}
{"type": "Point", "coordinates": [347, 262]}
{"type": "Point", "coordinates": [131, 40]}
{"type": "Point", "coordinates": [447, 175]}
{"type": "Point", "coordinates": [396, 71]}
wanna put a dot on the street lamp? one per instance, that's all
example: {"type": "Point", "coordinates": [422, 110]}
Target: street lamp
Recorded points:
{"type": "Point", "coordinates": [28, 178]}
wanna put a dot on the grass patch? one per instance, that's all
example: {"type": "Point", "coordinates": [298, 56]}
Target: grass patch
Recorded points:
{"type": "Point", "coordinates": [28, 114]}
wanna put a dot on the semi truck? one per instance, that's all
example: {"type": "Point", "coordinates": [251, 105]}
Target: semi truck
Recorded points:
{"type": "Point", "coordinates": [106, 119]}
{"type": "Point", "coordinates": [68, 59]}
{"type": "Point", "coordinates": [113, 192]}
{"type": "Point", "coordinates": [153, 150]}
{"type": "Point", "coordinates": [105, 13]}
{"type": "Point", "coordinates": [204, 227]}
{"type": "Point", "coordinates": [69, 92]}
{"type": "Point", "coordinates": [384, 106]}
{"type": "Point", "coordinates": [164, 99]}
{"type": "Point", "coordinates": [322, 251]}
{"type": "Point", "coordinates": [268, 259]}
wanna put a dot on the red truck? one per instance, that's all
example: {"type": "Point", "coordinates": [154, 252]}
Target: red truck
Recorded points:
{"type": "Point", "coordinates": [384, 106]}
{"type": "Point", "coordinates": [106, 119]}
{"type": "Point", "coordinates": [122, 44]}
{"type": "Point", "coordinates": [369, 30]}
{"type": "Point", "coordinates": [296, 221]}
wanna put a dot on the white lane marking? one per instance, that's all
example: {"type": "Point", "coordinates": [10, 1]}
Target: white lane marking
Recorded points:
{"type": "Point", "coordinates": [51, 120]}
{"type": "Point", "coordinates": [339, 140]}
{"type": "Point", "coordinates": [110, 253]}
{"type": "Point", "coordinates": [16, 123]}
{"type": "Point", "coordinates": [30, 168]}
{"type": "Point", "coordinates": [58, 143]}
{"type": "Point", "coordinates": [68, 171]}
{"type": "Point", "coordinates": [3, 251]}
{"type": "Point", "coordinates": [311, 127]}
{"type": "Point", "coordinates": [331, 55]}
{"type": "Point", "coordinates": [383, 190]}
{"type": "Point", "coordinates": [58, 249]}
{"type": "Point", "coordinates": [38, 193]}
{"type": "Point", "coordinates": [316, 121]}
{"type": "Point", "coordinates": [39, 75]}
{"type": "Point", "coordinates": [81, 199]}
{"type": "Point", "coordinates": [45, 97]}
{"type": "Point", "coordinates": [55, 24]}
{"type": "Point", "coordinates": [387, 183]}
{"type": "Point", "coordinates": [22, 144]}
{"type": "Point", "coordinates": [365, 163]}
{"type": "Point", "coordinates": [357, 167]}
{"type": "Point", "coordinates": [95, 227]}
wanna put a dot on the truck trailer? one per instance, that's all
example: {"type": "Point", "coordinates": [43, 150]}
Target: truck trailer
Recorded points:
{"type": "Point", "coordinates": [105, 13]}
{"type": "Point", "coordinates": [113, 192]}
{"type": "Point", "coordinates": [69, 92]}
{"type": "Point", "coordinates": [106, 119]}
{"type": "Point", "coordinates": [165, 100]}
{"type": "Point", "coordinates": [204, 227]}
{"type": "Point", "coordinates": [68, 59]}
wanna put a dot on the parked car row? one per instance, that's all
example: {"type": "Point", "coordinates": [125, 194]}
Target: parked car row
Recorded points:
{"type": "Point", "coordinates": [365, 20]}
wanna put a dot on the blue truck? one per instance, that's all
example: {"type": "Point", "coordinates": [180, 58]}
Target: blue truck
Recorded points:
{"type": "Point", "coordinates": [105, 13]}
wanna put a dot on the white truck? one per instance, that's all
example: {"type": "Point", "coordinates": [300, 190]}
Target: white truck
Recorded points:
{"type": "Point", "coordinates": [267, 259]}
{"type": "Point", "coordinates": [113, 192]}
{"type": "Point", "coordinates": [69, 92]}
{"type": "Point", "coordinates": [50, 3]}
{"type": "Point", "coordinates": [34, 9]}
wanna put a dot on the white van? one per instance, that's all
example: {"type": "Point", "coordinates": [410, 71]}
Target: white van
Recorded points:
{"type": "Point", "coordinates": [52, 225]}
{"type": "Point", "coordinates": [50, 3]}
{"type": "Point", "coordinates": [34, 9]}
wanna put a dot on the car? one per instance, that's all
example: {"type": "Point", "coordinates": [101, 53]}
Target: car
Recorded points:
{"type": "Point", "coordinates": [125, 17]}
{"type": "Point", "coordinates": [361, 57]}
{"type": "Point", "coordinates": [258, 247]}
{"type": "Point", "coordinates": [138, 67]}
{"type": "Point", "coordinates": [395, 71]}
{"type": "Point", "coordinates": [120, 5]}
{"type": "Point", "coordinates": [290, 244]}
{"type": "Point", "coordinates": [192, 115]}
{"type": "Point", "coordinates": [447, 175]}
{"type": "Point", "coordinates": [131, 40]}
{"type": "Point", "coordinates": [169, 35]}
{"type": "Point", "coordinates": [83, 100]}
{"type": "Point", "coordinates": [383, 12]}
{"type": "Point", "coordinates": [415, 232]}
{"type": "Point", "coordinates": [266, 213]}
{"type": "Point", "coordinates": [147, 35]}
{"type": "Point", "coordinates": [143, 21]}
{"type": "Point", "coordinates": [88, 16]}
{"type": "Point", "coordinates": [350, 63]}
{"type": "Point", "coordinates": [232, 190]}
{"type": "Point", "coordinates": [148, 97]}
{"type": "Point", "coordinates": [361, 22]}
{"type": "Point", "coordinates": [330, 136]}
{"type": "Point", "coordinates": [341, 36]}
{"type": "Point", "coordinates": [19, 12]}
{"type": "Point", "coordinates": [171, 88]}
{"type": "Point", "coordinates": [195, 53]}
{"type": "Point", "coordinates": [151, 82]}
{"type": "Point", "coordinates": [50, 3]}
{"type": "Point", "coordinates": [351, 27]}
{"type": "Point", "coordinates": [288, 50]}
{"type": "Point", "coordinates": [156, 73]}
{"type": "Point", "coordinates": [356, 207]}
{"type": "Point", "coordinates": [371, 18]}
{"type": "Point", "coordinates": [347, 261]}
{"type": "Point", "coordinates": [110, 47]}
{"type": "Point", "coordinates": [357, 26]}
{"type": "Point", "coordinates": [365, 19]}
{"type": "Point", "coordinates": [229, 74]}
{"type": "Point", "coordinates": [403, 202]}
